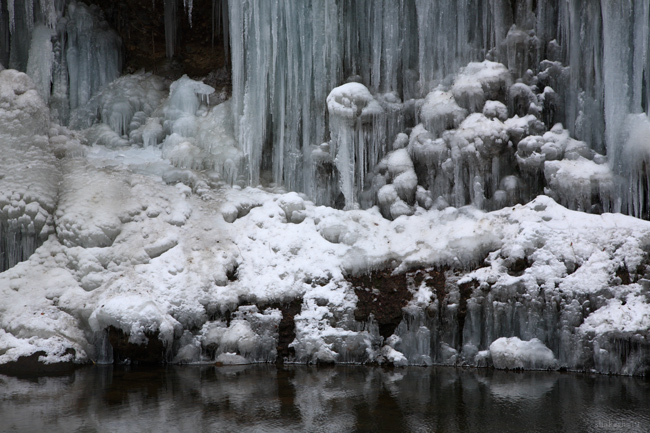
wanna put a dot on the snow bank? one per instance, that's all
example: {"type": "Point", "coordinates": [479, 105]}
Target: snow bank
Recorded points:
{"type": "Point", "coordinates": [512, 353]}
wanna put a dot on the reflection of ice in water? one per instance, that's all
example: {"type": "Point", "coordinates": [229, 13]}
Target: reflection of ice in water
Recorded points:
{"type": "Point", "coordinates": [340, 399]}
{"type": "Point", "coordinates": [318, 393]}
{"type": "Point", "coordinates": [520, 386]}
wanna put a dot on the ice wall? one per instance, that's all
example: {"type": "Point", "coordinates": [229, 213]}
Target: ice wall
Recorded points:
{"type": "Point", "coordinates": [65, 46]}
{"type": "Point", "coordinates": [585, 64]}
{"type": "Point", "coordinates": [286, 58]}
{"type": "Point", "coordinates": [93, 53]}
{"type": "Point", "coordinates": [309, 49]}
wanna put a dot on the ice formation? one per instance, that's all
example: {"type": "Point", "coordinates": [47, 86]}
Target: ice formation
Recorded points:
{"type": "Point", "coordinates": [562, 64]}
{"type": "Point", "coordinates": [409, 182]}
{"type": "Point", "coordinates": [558, 59]}
{"type": "Point", "coordinates": [512, 353]}
{"type": "Point", "coordinates": [28, 173]}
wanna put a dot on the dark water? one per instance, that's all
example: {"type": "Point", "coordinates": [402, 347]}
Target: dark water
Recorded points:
{"type": "Point", "coordinates": [338, 399]}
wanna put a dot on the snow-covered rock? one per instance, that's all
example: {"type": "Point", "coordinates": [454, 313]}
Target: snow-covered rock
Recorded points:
{"type": "Point", "coordinates": [513, 353]}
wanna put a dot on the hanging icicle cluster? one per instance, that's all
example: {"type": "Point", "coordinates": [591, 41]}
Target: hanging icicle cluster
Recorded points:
{"type": "Point", "coordinates": [584, 64]}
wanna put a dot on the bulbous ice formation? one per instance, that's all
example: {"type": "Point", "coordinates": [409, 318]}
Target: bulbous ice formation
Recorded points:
{"type": "Point", "coordinates": [350, 107]}
{"type": "Point", "coordinates": [29, 174]}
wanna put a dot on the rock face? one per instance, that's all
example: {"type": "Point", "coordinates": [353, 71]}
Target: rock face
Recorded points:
{"type": "Point", "coordinates": [383, 295]}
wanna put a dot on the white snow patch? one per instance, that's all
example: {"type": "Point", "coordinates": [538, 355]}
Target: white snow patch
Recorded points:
{"type": "Point", "coordinates": [512, 353]}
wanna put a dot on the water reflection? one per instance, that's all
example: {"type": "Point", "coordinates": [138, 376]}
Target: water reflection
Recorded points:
{"type": "Point", "coordinates": [338, 399]}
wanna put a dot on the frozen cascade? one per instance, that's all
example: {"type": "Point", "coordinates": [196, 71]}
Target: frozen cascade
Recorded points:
{"type": "Point", "coordinates": [382, 51]}
{"type": "Point", "coordinates": [565, 53]}
{"type": "Point", "coordinates": [489, 108]}
{"type": "Point", "coordinates": [281, 86]}
{"type": "Point", "coordinates": [350, 106]}
{"type": "Point", "coordinates": [559, 54]}
{"type": "Point", "coordinates": [636, 157]}
{"type": "Point", "coordinates": [28, 171]}
{"type": "Point", "coordinates": [197, 136]}
{"type": "Point", "coordinates": [41, 59]}
{"type": "Point", "coordinates": [117, 104]}
{"type": "Point", "coordinates": [626, 67]}
{"type": "Point", "coordinates": [185, 96]}
{"type": "Point", "coordinates": [64, 43]}
{"type": "Point", "coordinates": [92, 53]}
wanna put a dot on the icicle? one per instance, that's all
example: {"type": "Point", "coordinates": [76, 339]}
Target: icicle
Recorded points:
{"type": "Point", "coordinates": [41, 58]}
{"type": "Point", "coordinates": [188, 4]}
{"type": "Point", "coordinates": [49, 12]}
{"type": "Point", "coordinates": [170, 27]}
{"type": "Point", "coordinates": [29, 14]}
{"type": "Point", "coordinates": [12, 15]}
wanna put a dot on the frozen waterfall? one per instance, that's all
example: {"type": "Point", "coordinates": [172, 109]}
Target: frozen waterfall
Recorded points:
{"type": "Point", "coordinates": [400, 182]}
{"type": "Point", "coordinates": [583, 64]}
{"type": "Point", "coordinates": [287, 57]}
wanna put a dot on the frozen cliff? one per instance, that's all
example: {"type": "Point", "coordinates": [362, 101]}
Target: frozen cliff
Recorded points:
{"type": "Point", "coordinates": [403, 183]}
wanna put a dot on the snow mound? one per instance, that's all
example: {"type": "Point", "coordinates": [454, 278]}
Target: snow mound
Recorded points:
{"type": "Point", "coordinates": [513, 353]}
{"type": "Point", "coordinates": [441, 112]}
{"type": "Point", "coordinates": [23, 113]}
{"type": "Point", "coordinates": [480, 82]}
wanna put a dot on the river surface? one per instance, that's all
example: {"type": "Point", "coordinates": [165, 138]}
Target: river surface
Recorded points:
{"type": "Point", "coordinates": [266, 398]}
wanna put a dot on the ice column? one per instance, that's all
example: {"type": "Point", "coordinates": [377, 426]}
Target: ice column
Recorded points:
{"type": "Point", "coordinates": [93, 53]}
{"type": "Point", "coordinates": [170, 27]}
{"type": "Point", "coordinates": [41, 59]}
{"type": "Point", "coordinates": [285, 59]}
{"type": "Point", "coordinates": [625, 68]}
{"type": "Point", "coordinates": [350, 106]}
